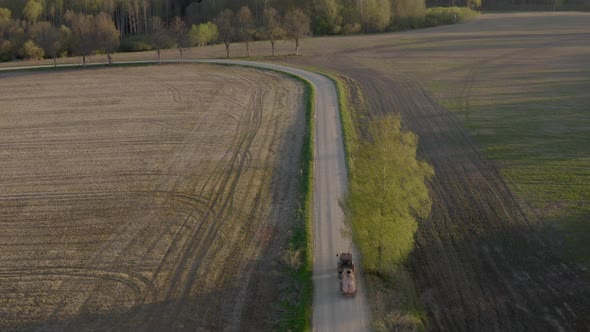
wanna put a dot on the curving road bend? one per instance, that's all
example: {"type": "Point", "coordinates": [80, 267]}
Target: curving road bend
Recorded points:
{"type": "Point", "coordinates": [331, 311]}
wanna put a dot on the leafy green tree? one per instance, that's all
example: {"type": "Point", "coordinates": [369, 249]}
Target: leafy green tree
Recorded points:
{"type": "Point", "coordinates": [297, 26]}
{"type": "Point", "coordinates": [12, 38]}
{"type": "Point", "coordinates": [327, 19]}
{"type": "Point", "coordinates": [203, 34]}
{"type": "Point", "coordinates": [5, 21]}
{"type": "Point", "coordinates": [387, 193]}
{"type": "Point", "coordinates": [30, 51]}
{"type": "Point", "coordinates": [377, 15]}
{"type": "Point", "coordinates": [408, 13]}
{"type": "Point", "coordinates": [475, 4]}
{"type": "Point", "coordinates": [33, 9]}
{"type": "Point", "coordinates": [272, 27]}
{"type": "Point", "coordinates": [5, 14]}
{"type": "Point", "coordinates": [6, 50]}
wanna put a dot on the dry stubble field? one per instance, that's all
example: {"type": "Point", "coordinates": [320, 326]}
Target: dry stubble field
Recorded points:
{"type": "Point", "coordinates": [500, 105]}
{"type": "Point", "coordinates": [145, 197]}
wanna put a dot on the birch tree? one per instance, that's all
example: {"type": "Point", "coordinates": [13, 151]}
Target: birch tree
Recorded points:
{"type": "Point", "coordinates": [179, 29]}
{"type": "Point", "coordinates": [245, 26]}
{"type": "Point", "coordinates": [82, 27]}
{"type": "Point", "coordinates": [297, 26]}
{"type": "Point", "coordinates": [106, 35]}
{"type": "Point", "coordinates": [225, 26]}
{"type": "Point", "coordinates": [272, 27]}
{"type": "Point", "coordinates": [387, 194]}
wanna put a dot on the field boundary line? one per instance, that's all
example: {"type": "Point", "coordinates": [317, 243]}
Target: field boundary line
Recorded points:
{"type": "Point", "coordinates": [298, 317]}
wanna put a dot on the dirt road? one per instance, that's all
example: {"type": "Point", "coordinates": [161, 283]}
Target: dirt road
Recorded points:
{"type": "Point", "coordinates": [478, 264]}
{"type": "Point", "coordinates": [481, 262]}
{"type": "Point", "coordinates": [331, 311]}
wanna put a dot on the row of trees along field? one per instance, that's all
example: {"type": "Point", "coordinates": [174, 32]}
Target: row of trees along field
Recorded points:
{"type": "Point", "coordinates": [26, 25]}
{"type": "Point", "coordinates": [34, 28]}
{"type": "Point", "coordinates": [133, 17]}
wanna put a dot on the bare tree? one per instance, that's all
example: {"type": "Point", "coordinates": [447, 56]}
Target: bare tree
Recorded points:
{"type": "Point", "coordinates": [272, 26]}
{"type": "Point", "coordinates": [245, 26]}
{"type": "Point", "coordinates": [106, 34]}
{"type": "Point", "coordinates": [47, 37]}
{"type": "Point", "coordinates": [160, 36]}
{"type": "Point", "coordinates": [179, 29]}
{"type": "Point", "coordinates": [145, 4]}
{"type": "Point", "coordinates": [33, 9]}
{"type": "Point", "coordinates": [297, 25]}
{"type": "Point", "coordinates": [224, 22]}
{"type": "Point", "coordinates": [82, 26]}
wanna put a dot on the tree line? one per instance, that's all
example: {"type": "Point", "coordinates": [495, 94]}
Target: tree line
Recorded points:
{"type": "Point", "coordinates": [31, 29]}
{"type": "Point", "coordinates": [83, 34]}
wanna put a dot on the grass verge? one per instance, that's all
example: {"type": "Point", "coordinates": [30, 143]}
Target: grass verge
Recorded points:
{"type": "Point", "coordinates": [394, 300]}
{"type": "Point", "coordinates": [297, 309]}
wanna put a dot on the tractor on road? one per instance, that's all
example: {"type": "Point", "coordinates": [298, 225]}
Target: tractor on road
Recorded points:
{"type": "Point", "coordinates": [346, 274]}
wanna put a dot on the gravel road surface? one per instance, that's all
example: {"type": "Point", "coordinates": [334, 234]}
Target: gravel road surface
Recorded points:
{"type": "Point", "coordinates": [331, 311]}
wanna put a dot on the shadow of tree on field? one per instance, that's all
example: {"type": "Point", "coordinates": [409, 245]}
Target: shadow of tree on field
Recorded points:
{"type": "Point", "coordinates": [133, 319]}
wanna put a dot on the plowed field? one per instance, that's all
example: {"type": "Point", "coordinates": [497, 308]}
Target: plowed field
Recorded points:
{"type": "Point", "coordinates": [500, 105]}
{"type": "Point", "coordinates": [145, 198]}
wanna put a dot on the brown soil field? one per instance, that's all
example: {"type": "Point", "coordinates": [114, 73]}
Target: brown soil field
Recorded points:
{"type": "Point", "coordinates": [146, 198]}
{"type": "Point", "coordinates": [484, 259]}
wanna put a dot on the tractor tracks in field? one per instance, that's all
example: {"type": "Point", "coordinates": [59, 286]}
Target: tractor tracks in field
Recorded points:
{"type": "Point", "coordinates": [476, 276]}
{"type": "Point", "coordinates": [222, 186]}
{"type": "Point", "coordinates": [176, 96]}
{"type": "Point", "coordinates": [187, 245]}
{"type": "Point", "coordinates": [476, 222]}
{"type": "Point", "coordinates": [481, 70]}
{"type": "Point", "coordinates": [136, 283]}
{"type": "Point", "coordinates": [130, 234]}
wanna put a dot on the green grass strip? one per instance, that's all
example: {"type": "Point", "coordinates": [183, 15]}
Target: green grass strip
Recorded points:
{"type": "Point", "coordinates": [297, 316]}
{"type": "Point", "coordinates": [349, 134]}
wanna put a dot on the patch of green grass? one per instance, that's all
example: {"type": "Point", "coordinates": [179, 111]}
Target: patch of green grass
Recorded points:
{"type": "Point", "coordinates": [393, 298]}
{"type": "Point", "coordinates": [538, 136]}
{"type": "Point", "coordinates": [297, 314]}
{"type": "Point", "coordinates": [527, 107]}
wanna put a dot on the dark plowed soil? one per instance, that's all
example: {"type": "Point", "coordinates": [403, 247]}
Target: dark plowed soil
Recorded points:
{"type": "Point", "coordinates": [148, 198]}
{"type": "Point", "coordinates": [479, 263]}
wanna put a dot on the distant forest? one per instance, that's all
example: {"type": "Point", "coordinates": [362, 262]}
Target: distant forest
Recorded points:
{"type": "Point", "coordinates": [327, 16]}
{"type": "Point", "coordinates": [32, 29]}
